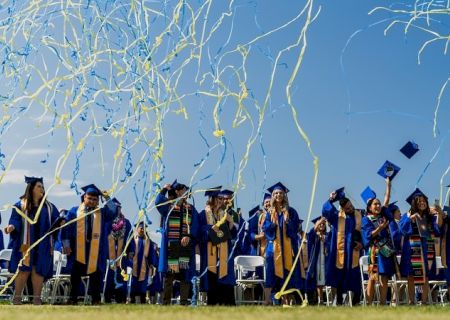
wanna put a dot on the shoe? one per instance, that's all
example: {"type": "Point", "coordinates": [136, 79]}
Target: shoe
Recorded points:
{"type": "Point", "coordinates": [17, 301]}
{"type": "Point", "coordinates": [37, 301]}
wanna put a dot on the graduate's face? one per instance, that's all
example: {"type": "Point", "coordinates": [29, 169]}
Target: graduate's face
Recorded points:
{"type": "Point", "coordinates": [375, 207]}
{"type": "Point", "coordinates": [38, 191]}
{"type": "Point", "coordinates": [278, 196]}
{"type": "Point", "coordinates": [422, 203]}
{"type": "Point", "coordinates": [90, 201]}
{"type": "Point", "coordinates": [182, 194]}
{"type": "Point", "coordinates": [267, 203]}
{"type": "Point", "coordinates": [322, 227]}
{"type": "Point", "coordinates": [397, 214]}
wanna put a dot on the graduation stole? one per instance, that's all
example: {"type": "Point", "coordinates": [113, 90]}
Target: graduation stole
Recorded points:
{"type": "Point", "coordinates": [304, 262]}
{"type": "Point", "coordinates": [26, 231]}
{"type": "Point", "coordinates": [144, 258]}
{"type": "Point", "coordinates": [262, 243]}
{"type": "Point", "coordinates": [221, 247]}
{"type": "Point", "coordinates": [340, 253]}
{"type": "Point", "coordinates": [283, 260]}
{"type": "Point", "coordinates": [95, 239]}
{"type": "Point", "coordinates": [113, 252]}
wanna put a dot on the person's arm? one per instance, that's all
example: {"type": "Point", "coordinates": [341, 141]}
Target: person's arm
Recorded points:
{"type": "Point", "coordinates": [268, 227]}
{"type": "Point", "coordinates": [405, 224]}
{"type": "Point", "coordinates": [387, 195]}
{"type": "Point", "coordinates": [161, 202]}
{"type": "Point", "coordinates": [15, 223]}
{"type": "Point", "coordinates": [330, 212]}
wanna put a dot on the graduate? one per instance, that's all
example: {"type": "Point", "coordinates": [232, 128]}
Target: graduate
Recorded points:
{"type": "Point", "coordinates": [318, 248]}
{"type": "Point", "coordinates": [144, 261]}
{"type": "Point", "coordinates": [217, 232]}
{"type": "Point", "coordinates": [280, 226]}
{"type": "Point", "coordinates": [343, 273]}
{"type": "Point", "coordinates": [179, 238]}
{"type": "Point", "coordinates": [156, 286]}
{"type": "Point", "coordinates": [419, 226]}
{"type": "Point", "coordinates": [377, 235]}
{"type": "Point", "coordinates": [445, 244]}
{"type": "Point", "coordinates": [239, 246]}
{"type": "Point", "coordinates": [23, 234]}
{"type": "Point", "coordinates": [303, 261]}
{"type": "Point", "coordinates": [86, 241]}
{"type": "Point", "coordinates": [119, 230]}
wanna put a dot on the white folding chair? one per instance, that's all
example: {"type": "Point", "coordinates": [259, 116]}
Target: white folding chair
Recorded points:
{"type": "Point", "coordinates": [439, 285]}
{"type": "Point", "coordinates": [59, 283]}
{"type": "Point", "coordinates": [364, 273]}
{"type": "Point", "coordinates": [5, 275]}
{"type": "Point", "coordinates": [243, 266]}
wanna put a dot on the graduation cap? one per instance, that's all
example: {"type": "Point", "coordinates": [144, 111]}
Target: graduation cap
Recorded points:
{"type": "Point", "coordinates": [340, 194]}
{"type": "Point", "coordinates": [267, 196]}
{"type": "Point", "coordinates": [388, 170]}
{"type": "Point", "coordinates": [29, 180]}
{"type": "Point", "coordinates": [416, 193]}
{"type": "Point", "coordinates": [409, 149]}
{"type": "Point", "coordinates": [226, 193]}
{"type": "Point", "coordinates": [116, 202]}
{"type": "Point", "coordinates": [91, 189]}
{"type": "Point", "coordinates": [213, 192]}
{"type": "Point", "coordinates": [278, 186]}
{"type": "Point", "coordinates": [253, 211]}
{"type": "Point", "coordinates": [314, 221]}
{"type": "Point", "coordinates": [178, 186]}
{"type": "Point", "coordinates": [393, 207]}
{"type": "Point", "coordinates": [140, 224]}
{"type": "Point", "coordinates": [368, 194]}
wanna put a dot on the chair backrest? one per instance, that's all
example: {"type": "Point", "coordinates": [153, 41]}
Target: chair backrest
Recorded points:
{"type": "Point", "coordinates": [197, 262]}
{"type": "Point", "coordinates": [248, 262]}
{"type": "Point", "coordinates": [364, 265]}
{"type": "Point", "coordinates": [5, 254]}
{"type": "Point", "coordinates": [439, 262]}
{"type": "Point", "coordinates": [57, 262]}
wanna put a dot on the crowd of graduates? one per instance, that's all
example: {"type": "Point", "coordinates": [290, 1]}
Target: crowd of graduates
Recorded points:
{"type": "Point", "coordinates": [100, 242]}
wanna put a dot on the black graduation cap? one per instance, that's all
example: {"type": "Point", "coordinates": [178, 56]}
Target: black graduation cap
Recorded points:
{"type": "Point", "coordinates": [278, 186]}
{"type": "Point", "coordinates": [178, 186]}
{"type": "Point", "coordinates": [226, 193]}
{"type": "Point", "coordinates": [388, 170]}
{"type": "Point", "coordinates": [314, 221]}
{"type": "Point", "coordinates": [267, 196]}
{"type": "Point", "coordinates": [91, 189]}
{"type": "Point", "coordinates": [213, 192]}
{"type": "Point", "coordinates": [29, 180]}
{"type": "Point", "coordinates": [253, 211]}
{"type": "Point", "coordinates": [409, 149]}
{"type": "Point", "coordinates": [368, 194]}
{"type": "Point", "coordinates": [221, 236]}
{"type": "Point", "coordinates": [116, 202]}
{"type": "Point", "coordinates": [340, 194]}
{"type": "Point", "coordinates": [416, 193]}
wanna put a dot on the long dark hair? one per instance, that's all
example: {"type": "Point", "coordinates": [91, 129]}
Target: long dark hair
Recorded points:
{"type": "Point", "coordinates": [369, 204]}
{"type": "Point", "coordinates": [28, 195]}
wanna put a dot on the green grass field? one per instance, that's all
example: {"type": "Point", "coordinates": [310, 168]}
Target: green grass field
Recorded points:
{"type": "Point", "coordinates": [122, 312]}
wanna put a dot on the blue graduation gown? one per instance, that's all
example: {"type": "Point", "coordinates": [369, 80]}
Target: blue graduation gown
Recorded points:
{"type": "Point", "coordinates": [386, 266]}
{"type": "Point", "coordinates": [405, 226]}
{"type": "Point", "coordinates": [42, 256]}
{"type": "Point", "coordinates": [164, 210]}
{"type": "Point", "coordinates": [253, 231]}
{"type": "Point", "coordinates": [230, 278]}
{"type": "Point", "coordinates": [270, 231]}
{"type": "Point", "coordinates": [140, 287]}
{"type": "Point", "coordinates": [314, 252]}
{"type": "Point", "coordinates": [242, 246]}
{"type": "Point", "coordinates": [157, 282]}
{"type": "Point", "coordinates": [69, 234]}
{"type": "Point", "coordinates": [110, 282]}
{"type": "Point", "coordinates": [2, 244]}
{"type": "Point", "coordinates": [348, 277]}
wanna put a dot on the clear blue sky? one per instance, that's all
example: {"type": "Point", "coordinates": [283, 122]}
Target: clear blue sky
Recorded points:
{"type": "Point", "coordinates": [391, 99]}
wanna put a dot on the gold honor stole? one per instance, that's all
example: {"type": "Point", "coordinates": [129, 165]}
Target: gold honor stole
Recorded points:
{"type": "Point", "coordinates": [95, 239]}
{"type": "Point", "coordinates": [26, 238]}
{"type": "Point", "coordinates": [287, 249]}
{"type": "Point", "coordinates": [340, 256]}
{"type": "Point", "coordinates": [144, 258]}
{"type": "Point", "coordinates": [263, 242]}
{"type": "Point", "coordinates": [221, 247]}
{"type": "Point", "coordinates": [113, 252]}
